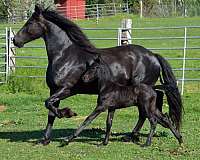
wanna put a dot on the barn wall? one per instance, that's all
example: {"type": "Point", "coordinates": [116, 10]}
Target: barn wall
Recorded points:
{"type": "Point", "coordinates": [73, 9]}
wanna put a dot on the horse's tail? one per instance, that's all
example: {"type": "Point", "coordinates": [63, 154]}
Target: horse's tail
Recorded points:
{"type": "Point", "coordinates": [170, 87]}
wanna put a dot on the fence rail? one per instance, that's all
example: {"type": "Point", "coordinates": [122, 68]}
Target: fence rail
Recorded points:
{"type": "Point", "coordinates": [182, 70]}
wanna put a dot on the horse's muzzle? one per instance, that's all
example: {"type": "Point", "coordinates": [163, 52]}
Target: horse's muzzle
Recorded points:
{"type": "Point", "coordinates": [17, 43]}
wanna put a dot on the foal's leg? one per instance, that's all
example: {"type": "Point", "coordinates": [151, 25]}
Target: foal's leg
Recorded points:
{"type": "Point", "coordinates": [87, 121]}
{"type": "Point", "coordinates": [153, 124]}
{"type": "Point", "coordinates": [134, 136]}
{"type": "Point", "coordinates": [108, 126]}
{"type": "Point", "coordinates": [142, 117]}
{"type": "Point", "coordinates": [150, 107]}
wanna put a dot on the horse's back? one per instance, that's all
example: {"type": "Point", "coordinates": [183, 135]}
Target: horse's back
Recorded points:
{"type": "Point", "coordinates": [132, 64]}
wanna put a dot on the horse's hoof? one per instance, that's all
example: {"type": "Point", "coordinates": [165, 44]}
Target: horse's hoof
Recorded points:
{"type": "Point", "coordinates": [135, 138]}
{"type": "Point", "coordinates": [66, 112]}
{"type": "Point", "coordinates": [145, 145]}
{"type": "Point", "coordinates": [64, 143]}
{"type": "Point", "coordinates": [43, 142]}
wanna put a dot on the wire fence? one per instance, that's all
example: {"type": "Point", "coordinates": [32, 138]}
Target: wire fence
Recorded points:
{"type": "Point", "coordinates": [181, 50]}
{"type": "Point", "coordinates": [183, 55]}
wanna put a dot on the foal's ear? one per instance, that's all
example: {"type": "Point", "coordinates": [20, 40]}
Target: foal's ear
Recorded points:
{"type": "Point", "coordinates": [38, 9]}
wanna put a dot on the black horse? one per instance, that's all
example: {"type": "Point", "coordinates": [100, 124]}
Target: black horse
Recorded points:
{"type": "Point", "coordinates": [113, 96]}
{"type": "Point", "coordinates": [70, 52]}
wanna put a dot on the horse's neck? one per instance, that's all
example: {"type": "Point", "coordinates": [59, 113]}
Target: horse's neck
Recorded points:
{"type": "Point", "coordinates": [56, 41]}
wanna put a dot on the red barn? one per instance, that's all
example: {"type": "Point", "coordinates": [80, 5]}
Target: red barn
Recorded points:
{"type": "Point", "coordinates": [72, 9]}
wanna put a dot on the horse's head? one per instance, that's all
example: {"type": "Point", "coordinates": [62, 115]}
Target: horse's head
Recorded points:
{"type": "Point", "coordinates": [33, 29]}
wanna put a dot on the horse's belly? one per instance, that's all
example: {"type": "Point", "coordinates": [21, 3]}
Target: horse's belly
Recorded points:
{"type": "Point", "coordinates": [86, 88]}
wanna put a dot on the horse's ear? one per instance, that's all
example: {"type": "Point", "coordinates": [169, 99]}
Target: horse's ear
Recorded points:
{"type": "Point", "coordinates": [38, 9]}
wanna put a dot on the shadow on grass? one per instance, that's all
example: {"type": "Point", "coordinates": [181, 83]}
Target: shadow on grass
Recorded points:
{"type": "Point", "coordinates": [86, 136]}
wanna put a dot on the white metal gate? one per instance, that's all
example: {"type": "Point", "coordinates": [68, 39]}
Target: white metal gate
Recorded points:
{"type": "Point", "coordinates": [3, 55]}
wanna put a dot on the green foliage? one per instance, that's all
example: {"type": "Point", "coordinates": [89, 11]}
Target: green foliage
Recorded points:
{"type": "Point", "coordinates": [192, 7]}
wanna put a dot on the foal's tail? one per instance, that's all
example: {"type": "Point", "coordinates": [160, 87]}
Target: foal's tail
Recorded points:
{"type": "Point", "coordinates": [170, 87]}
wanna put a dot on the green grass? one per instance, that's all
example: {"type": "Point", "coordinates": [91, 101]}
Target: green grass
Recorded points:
{"type": "Point", "coordinates": [25, 117]}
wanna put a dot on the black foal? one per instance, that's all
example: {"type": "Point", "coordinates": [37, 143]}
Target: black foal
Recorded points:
{"type": "Point", "coordinates": [113, 96]}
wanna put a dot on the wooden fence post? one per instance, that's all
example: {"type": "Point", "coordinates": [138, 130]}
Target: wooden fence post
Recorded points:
{"type": "Point", "coordinates": [11, 52]}
{"type": "Point", "coordinates": [126, 26]}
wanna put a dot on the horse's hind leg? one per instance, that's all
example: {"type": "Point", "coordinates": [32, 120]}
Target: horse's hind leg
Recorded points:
{"type": "Point", "coordinates": [165, 122]}
{"type": "Point", "coordinates": [108, 126]}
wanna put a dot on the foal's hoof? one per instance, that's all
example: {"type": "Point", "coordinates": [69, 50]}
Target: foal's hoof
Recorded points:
{"type": "Point", "coordinates": [135, 138]}
{"type": "Point", "coordinates": [145, 145]}
{"type": "Point", "coordinates": [43, 142]}
{"type": "Point", "coordinates": [126, 138]}
{"type": "Point", "coordinates": [64, 143]}
{"type": "Point", "coordinates": [66, 112]}
{"type": "Point", "coordinates": [102, 144]}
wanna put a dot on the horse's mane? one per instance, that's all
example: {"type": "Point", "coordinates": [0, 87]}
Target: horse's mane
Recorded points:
{"type": "Point", "coordinates": [72, 30]}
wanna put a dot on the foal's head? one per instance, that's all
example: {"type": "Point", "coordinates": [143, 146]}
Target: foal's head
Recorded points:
{"type": "Point", "coordinates": [91, 74]}
{"type": "Point", "coordinates": [98, 69]}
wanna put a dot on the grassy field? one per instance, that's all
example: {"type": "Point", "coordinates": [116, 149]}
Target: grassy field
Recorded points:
{"type": "Point", "coordinates": [24, 118]}
{"type": "Point", "coordinates": [23, 115]}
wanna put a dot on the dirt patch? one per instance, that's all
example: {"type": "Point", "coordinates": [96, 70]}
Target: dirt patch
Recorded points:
{"type": "Point", "coordinates": [2, 108]}
{"type": "Point", "coordinates": [80, 118]}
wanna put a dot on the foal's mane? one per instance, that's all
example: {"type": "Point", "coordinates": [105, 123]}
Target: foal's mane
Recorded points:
{"type": "Point", "coordinates": [72, 30]}
{"type": "Point", "coordinates": [104, 72]}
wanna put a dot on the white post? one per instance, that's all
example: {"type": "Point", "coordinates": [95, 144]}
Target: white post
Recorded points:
{"type": "Point", "coordinates": [184, 56]}
{"type": "Point", "coordinates": [76, 12]}
{"type": "Point", "coordinates": [25, 15]}
{"type": "Point", "coordinates": [141, 9]}
{"type": "Point", "coordinates": [114, 9]}
{"type": "Point", "coordinates": [7, 55]}
{"type": "Point", "coordinates": [97, 13]}
{"type": "Point", "coordinates": [127, 8]}
{"type": "Point", "coordinates": [11, 51]}
{"type": "Point", "coordinates": [119, 37]}
{"type": "Point", "coordinates": [126, 26]}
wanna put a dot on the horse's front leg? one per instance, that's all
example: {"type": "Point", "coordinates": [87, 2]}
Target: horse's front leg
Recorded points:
{"type": "Point", "coordinates": [55, 98]}
{"type": "Point", "coordinates": [48, 130]}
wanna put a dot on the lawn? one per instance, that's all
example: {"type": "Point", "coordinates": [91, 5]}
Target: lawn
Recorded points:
{"type": "Point", "coordinates": [24, 118]}
{"type": "Point", "coordinates": [23, 115]}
